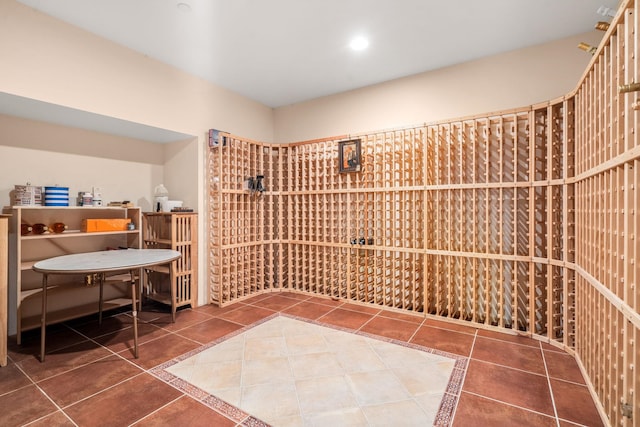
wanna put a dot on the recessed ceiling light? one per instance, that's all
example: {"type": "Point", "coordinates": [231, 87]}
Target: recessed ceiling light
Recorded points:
{"type": "Point", "coordinates": [184, 7]}
{"type": "Point", "coordinates": [359, 43]}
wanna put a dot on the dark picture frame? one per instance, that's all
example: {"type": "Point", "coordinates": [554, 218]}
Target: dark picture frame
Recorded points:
{"type": "Point", "coordinates": [349, 158]}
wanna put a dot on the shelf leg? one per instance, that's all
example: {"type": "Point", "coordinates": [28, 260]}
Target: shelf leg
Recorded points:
{"type": "Point", "coordinates": [134, 312]}
{"type": "Point", "coordinates": [43, 318]}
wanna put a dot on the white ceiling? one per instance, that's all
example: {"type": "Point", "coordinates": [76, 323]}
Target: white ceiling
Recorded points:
{"type": "Point", "coordinates": [280, 52]}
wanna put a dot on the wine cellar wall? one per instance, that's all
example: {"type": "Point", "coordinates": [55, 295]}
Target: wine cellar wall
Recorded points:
{"type": "Point", "coordinates": [523, 221]}
{"type": "Point", "coordinates": [607, 223]}
{"type": "Point", "coordinates": [462, 219]}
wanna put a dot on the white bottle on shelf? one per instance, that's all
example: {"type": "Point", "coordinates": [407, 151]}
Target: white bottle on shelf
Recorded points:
{"type": "Point", "coordinates": [161, 196]}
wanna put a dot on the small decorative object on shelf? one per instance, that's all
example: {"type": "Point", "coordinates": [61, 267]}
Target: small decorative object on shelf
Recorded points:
{"type": "Point", "coordinates": [58, 227]}
{"type": "Point", "coordinates": [40, 228]}
{"type": "Point", "coordinates": [87, 199]}
{"type": "Point", "coordinates": [27, 195]}
{"type": "Point", "coordinates": [25, 229]}
{"type": "Point", "coordinates": [97, 196]}
{"type": "Point", "coordinates": [56, 196]}
{"type": "Point", "coordinates": [123, 204]}
{"type": "Point", "coordinates": [160, 196]}
{"type": "Point", "coordinates": [89, 225]}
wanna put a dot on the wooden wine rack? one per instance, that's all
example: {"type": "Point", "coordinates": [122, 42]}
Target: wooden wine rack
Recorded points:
{"type": "Point", "coordinates": [524, 220]}
{"type": "Point", "coordinates": [607, 224]}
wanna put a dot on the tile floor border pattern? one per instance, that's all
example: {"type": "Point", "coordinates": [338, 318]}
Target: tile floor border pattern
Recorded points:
{"type": "Point", "coordinates": [443, 417]}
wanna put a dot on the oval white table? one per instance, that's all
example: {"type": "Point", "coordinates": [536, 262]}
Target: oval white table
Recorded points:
{"type": "Point", "coordinates": [100, 263]}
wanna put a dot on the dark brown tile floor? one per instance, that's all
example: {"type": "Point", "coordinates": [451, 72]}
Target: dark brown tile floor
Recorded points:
{"type": "Point", "coordinates": [90, 377]}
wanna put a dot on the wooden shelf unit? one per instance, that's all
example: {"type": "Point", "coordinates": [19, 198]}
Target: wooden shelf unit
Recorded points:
{"type": "Point", "coordinates": [175, 285]}
{"type": "Point", "coordinates": [523, 221]}
{"type": "Point", "coordinates": [69, 295]}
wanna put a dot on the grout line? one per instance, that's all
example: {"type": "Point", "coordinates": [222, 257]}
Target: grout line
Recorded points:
{"type": "Point", "coordinates": [365, 324]}
{"type": "Point", "coordinates": [510, 404]}
{"type": "Point", "coordinates": [450, 330]}
{"type": "Point", "coordinates": [569, 382]}
{"type": "Point", "coordinates": [46, 396]}
{"type": "Point", "coordinates": [106, 348]}
{"type": "Point", "coordinates": [416, 331]}
{"type": "Point", "coordinates": [553, 400]}
{"type": "Point", "coordinates": [330, 311]}
{"type": "Point", "coordinates": [509, 367]}
{"type": "Point", "coordinates": [511, 342]}
{"type": "Point", "coordinates": [104, 389]}
{"type": "Point", "coordinates": [157, 410]}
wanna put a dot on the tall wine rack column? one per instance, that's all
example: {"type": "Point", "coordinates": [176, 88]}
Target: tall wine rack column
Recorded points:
{"type": "Point", "coordinates": [284, 180]}
{"type": "Point", "coordinates": [481, 217]}
{"type": "Point", "coordinates": [244, 223]}
{"type": "Point", "coordinates": [606, 247]}
{"type": "Point", "coordinates": [357, 236]}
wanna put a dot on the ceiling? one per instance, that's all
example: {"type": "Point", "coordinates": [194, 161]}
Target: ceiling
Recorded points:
{"type": "Point", "coordinates": [281, 52]}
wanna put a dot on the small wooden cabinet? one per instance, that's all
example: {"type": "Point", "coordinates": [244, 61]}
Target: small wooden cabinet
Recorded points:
{"type": "Point", "coordinates": [68, 296]}
{"type": "Point", "coordinates": [177, 285]}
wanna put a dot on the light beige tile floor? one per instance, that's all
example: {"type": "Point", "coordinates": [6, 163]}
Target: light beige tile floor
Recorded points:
{"type": "Point", "coordinates": [290, 372]}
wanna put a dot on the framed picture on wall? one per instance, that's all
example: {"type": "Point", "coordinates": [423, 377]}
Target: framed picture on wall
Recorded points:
{"type": "Point", "coordinates": [349, 155]}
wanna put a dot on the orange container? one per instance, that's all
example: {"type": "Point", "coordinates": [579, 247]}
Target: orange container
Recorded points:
{"type": "Point", "coordinates": [111, 224]}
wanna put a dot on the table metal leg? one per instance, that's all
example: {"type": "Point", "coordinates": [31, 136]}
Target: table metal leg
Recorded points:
{"type": "Point", "coordinates": [43, 317]}
{"type": "Point", "coordinates": [172, 279]}
{"type": "Point", "coordinates": [134, 310]}
{"type": "Point", "coordinates": [141, 280]}
{"type": "Point", "coordinates": [101, 300]}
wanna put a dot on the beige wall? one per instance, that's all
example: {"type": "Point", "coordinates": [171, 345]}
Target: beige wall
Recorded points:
{"type": "Point", "coordinates": [48, 60]}
{"type": "Point", "coordinates": [46, 154]}
{"type": "Point", "coordinates": [501, 82]}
